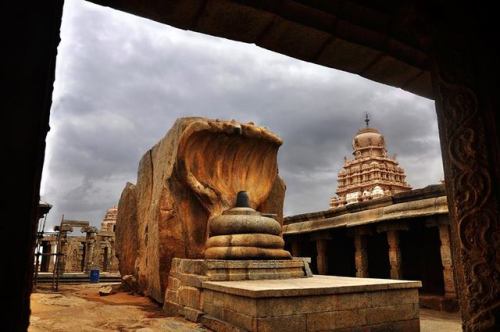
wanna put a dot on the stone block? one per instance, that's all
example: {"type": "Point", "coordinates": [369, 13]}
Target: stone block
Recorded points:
{"type": "Point", "coordinates": [391, 313]}
{"type": "Point", "coordinates": [218, 325]}
{"type": "Point", "coordinates": [192, 280]}
{"type": "Point", "coordinates": [189, 296]}
{"type": "Point", "coordinates": [171, 308]}
{"type": "Point", "coordinates": [213, 310]}
{"type": "Point", "coordinates": [295, 323]}
{"type": "Point", "coordinates": [238, 319]}
{"type": "Point", "coordinates": [244, 305]}
{"type": "Point", "coordinates": [352, 301]}
{"type": "Point", "coordinates": [171, 296]}
{"type": "Point", "coordinates": [191, 314]}
{"type": "Point", "coordinates": [393, 297]}
{"type": "Point", "coordinates": [287, 306]}
{"type": "Point", "coordinates": [412, 325]}
{"type": "Point", "coordinates": [327, 321]}
{"type": "Point", "coordinates": [173, 283]}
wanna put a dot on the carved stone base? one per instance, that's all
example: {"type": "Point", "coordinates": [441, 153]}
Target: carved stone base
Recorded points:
{"type": "Point", "coordinates": [188, 275]}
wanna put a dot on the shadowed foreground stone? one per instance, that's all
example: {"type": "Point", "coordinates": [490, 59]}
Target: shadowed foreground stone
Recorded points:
{"type": "Point", "coordinates": [191, 175]}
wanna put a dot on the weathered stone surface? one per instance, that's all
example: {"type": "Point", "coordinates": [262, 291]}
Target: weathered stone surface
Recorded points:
{"type": "Point", "coordinates": [129, 283]}
{"type": "Point", "coordinates": [183, 181]}
{"type": "Point", "coordinates": [126, 231]}
{"type": "Point", "coordinates": [239, 252]}
{"type": "Point", "coordinates": [321, 303]}
{"type": "Point", "coordinates": [246, 240]}
{"type": "Point", "coordinates": [227, 224]}
{"type": "Point", "coordinates": [242, 233]}
{"type": "Point", "coordinates": [106, 290]}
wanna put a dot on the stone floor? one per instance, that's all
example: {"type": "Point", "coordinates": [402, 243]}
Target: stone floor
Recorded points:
{"type": "Point", "coordinates": [80, 308]}
{"type": "Point", "coordinates": [431, 320]}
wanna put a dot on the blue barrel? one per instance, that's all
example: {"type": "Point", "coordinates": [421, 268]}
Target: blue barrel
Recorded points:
{"type": "Point", "coordinates": [94, 275]}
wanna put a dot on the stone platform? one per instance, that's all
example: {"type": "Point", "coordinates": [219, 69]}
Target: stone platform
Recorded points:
{"type": "Point", "coordinates": [318, 303]}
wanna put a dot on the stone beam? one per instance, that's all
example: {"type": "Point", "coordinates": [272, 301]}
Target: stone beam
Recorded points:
{"type": "Point", "coordinates": [345, 35]}
{"type": "Point", "coordinates": [394, 213]}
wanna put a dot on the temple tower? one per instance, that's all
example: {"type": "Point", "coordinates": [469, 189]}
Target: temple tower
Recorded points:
{"type": "Point", "coordinates": [371, 174]}
{"type": "Point", "coordinates": [109, 221]}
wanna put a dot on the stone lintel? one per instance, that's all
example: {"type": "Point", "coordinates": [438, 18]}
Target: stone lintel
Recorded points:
{"type": "Point", "coordinates": [399, 226]}
{"type": "Point", "coordinates": [391, 213]}
{"type": "Point", "coordinates": [360, 231]}
{"type": "Point", "coordinates": [323, 235]}
{"type": "Point", "coordinates": [436, 221]}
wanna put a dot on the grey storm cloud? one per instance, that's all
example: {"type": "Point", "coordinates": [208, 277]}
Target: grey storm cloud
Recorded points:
{"type": "Point", "coordinates": [121, 81]}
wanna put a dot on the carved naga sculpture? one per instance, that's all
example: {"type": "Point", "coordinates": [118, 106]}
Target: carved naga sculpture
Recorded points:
{"type": "Point", "coordinates": [191, 175]}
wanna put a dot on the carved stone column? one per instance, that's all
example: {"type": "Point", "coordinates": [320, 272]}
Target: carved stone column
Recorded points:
{"type": "Point", "coordinates": [394, 253]}
{"type": "Point", "coordinates": [52, 258]}
{"type": "Point", "coordinates": [61, 261]}
{"type": "Point", "coordinates": [322, 258]}
{"type": "Point", "coordinates": [449, 282]}
{"type": "Point", "coordinates": [465, 77]}
{"type": "Point", "coordinates": [89, 247]}
{"type": "Point", "coordinates": [295, 242]}
{"type": "Point", "coordinates": [361, 255]}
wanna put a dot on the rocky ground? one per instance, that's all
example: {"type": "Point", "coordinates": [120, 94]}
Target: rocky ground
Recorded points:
{"type": "Point", "coordinates": [80, 308]}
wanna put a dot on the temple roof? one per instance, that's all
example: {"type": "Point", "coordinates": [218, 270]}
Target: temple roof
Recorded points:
{"type": "Point", "coordinates": [371, 174]}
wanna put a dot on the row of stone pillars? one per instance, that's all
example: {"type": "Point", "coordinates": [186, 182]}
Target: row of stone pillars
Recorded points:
{"type": "Point", "coordinates": [90, 240]}
{"type": "Point", "coordinates": [394, 253]}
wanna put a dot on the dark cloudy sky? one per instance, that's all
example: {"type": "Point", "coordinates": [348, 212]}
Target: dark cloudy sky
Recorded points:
{"type": "Point", "coordinates": [121, 81]}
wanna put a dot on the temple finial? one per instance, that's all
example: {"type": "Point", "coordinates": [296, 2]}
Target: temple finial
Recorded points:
{"type": "Point", "coordinates": [367, 119]}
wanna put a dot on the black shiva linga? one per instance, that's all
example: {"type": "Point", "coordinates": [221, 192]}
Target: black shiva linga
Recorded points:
{"type": "Point", "coordinates": [244, 233]}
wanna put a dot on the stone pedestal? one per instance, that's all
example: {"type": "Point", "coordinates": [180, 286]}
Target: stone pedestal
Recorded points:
{"type": "Point", "coordinates": [187, 275]}
{"type": "Point", "coordinates": [255, 300]}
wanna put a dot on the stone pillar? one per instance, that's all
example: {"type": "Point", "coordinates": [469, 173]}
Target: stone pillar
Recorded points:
{"type": "Point", "coordinates": [465, 71]}
{"type": "Point", "coordinates": [449, 282]}
{"type": "Point", "coordinates": [322, 258]}
{"type": "Point", "coordinates": [63, 252]}
{"type": "Point", "coordinates": [89, 254]}
{"type": "Point", "coordinates": [52, 258]}
{"type": "Point", "coordinates": [394, 253]}
{"type": "Point", "coordinates": [361, 255]}
{"type": "Point", "coordinates": [295, 242]}
{"type": "Point", "coordinates": [89, 247]}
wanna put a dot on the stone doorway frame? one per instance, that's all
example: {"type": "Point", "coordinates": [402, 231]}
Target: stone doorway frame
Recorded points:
{"type": "Point", "coordinates": [458, 69]}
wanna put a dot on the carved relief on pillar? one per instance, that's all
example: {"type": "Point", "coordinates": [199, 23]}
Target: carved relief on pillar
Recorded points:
{"type": "Point", "coordinates": [473, 207]}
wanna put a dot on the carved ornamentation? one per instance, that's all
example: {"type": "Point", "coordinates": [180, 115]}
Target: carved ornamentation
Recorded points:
{"type": "Point", "coordinates": [472, 205]}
